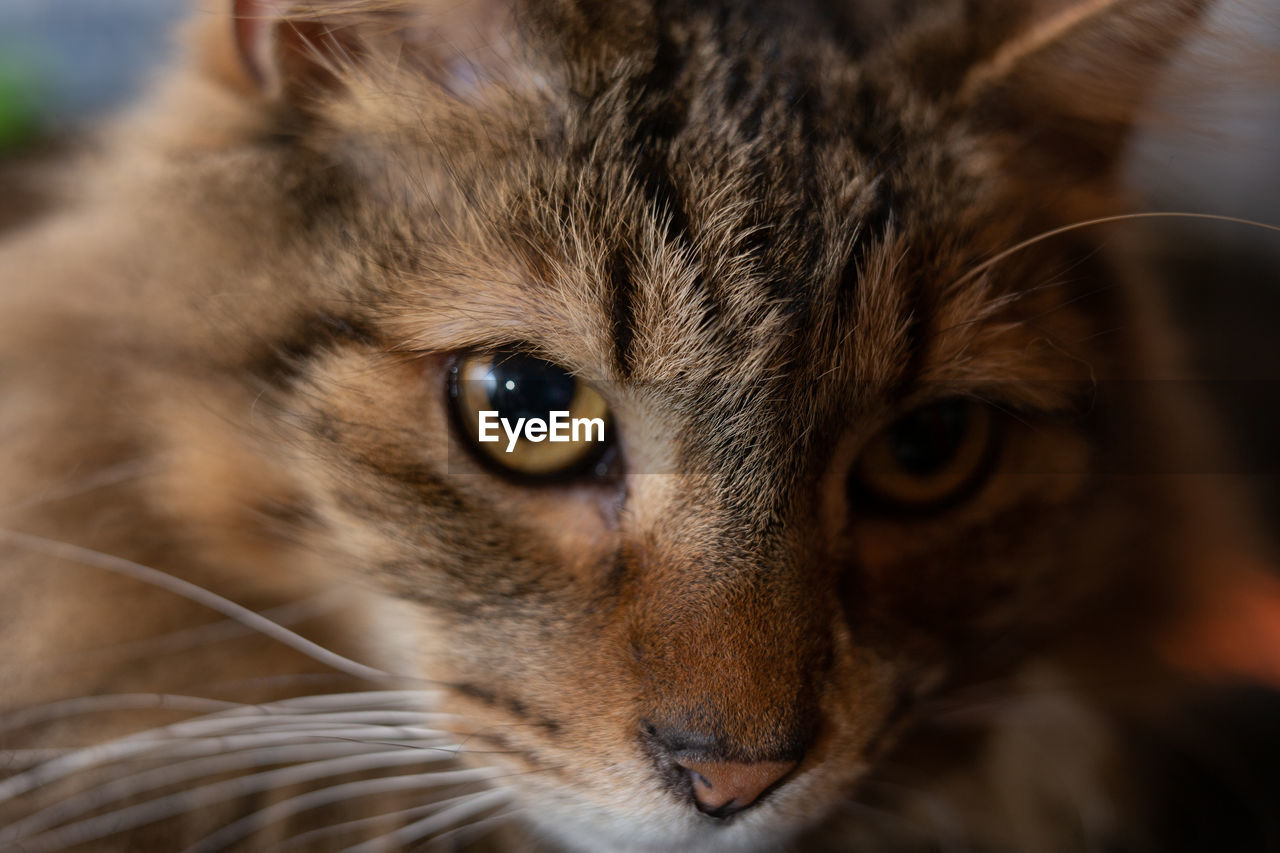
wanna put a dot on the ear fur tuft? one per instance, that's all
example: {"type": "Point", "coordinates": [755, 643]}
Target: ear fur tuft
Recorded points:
{"type": "Point", "coordinates": [1138, 35]}
{"type": "Point", "coordinates": [1080, 76]}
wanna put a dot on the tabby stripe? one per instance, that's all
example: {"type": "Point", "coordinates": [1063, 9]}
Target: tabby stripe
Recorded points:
{"type": "Point", "coordinates": [287, 356]}
{"type": "Point", "coordinates": [659, 117]}
{"type": "Point", "coordinates": [622, 313]}
{"type": "Point", "coordinates": [508, 703]}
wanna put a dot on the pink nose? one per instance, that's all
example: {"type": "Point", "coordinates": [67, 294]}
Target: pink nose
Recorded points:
{"type": "Point", "coordinates": [722, 788]}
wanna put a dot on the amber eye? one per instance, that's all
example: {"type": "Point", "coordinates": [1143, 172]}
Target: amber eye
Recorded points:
{"type": "Point", "coordinates": [929, 457]}
{"type": "Point", "coordinates": [527, 415]}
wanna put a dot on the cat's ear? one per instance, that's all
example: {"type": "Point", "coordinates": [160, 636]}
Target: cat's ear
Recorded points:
{"type": "Point", "coordinates": [289, 49]}
{"type": "Point", "coordinates": [292, 49]}
{"type": "Point", "coordinates": [1070, 74]}
{"type": "Point", "coordinates": [255, 25]}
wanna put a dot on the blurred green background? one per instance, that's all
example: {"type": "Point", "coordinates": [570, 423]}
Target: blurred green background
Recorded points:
{"type": "Point", "coordinates": [64, 60]}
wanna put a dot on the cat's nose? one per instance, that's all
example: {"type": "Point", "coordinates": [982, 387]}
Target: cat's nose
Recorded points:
{"type": "Point", "coordinates": [722, 776]}
{"type": "Point", "coordinates": [724, 788]}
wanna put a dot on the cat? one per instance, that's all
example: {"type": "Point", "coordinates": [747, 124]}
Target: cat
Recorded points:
{"type": "Point", "coordinates": [878, 546]}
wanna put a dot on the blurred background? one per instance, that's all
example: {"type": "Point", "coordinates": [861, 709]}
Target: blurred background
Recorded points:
{"type": "Point", "coordinates": [68, 59]}
{"type": "Point", "coordinates": [64, 63]}
{"type": "Point", "coordinates": [1217, 151]}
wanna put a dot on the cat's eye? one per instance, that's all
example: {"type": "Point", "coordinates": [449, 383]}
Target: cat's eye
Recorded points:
{"type": "Point", "coordinates": [929, 457]}
{"type": "Point", "coordinates": [529, 416]}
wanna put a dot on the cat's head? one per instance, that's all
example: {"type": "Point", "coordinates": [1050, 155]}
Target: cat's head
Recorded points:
{"type": "Point", "coordinates": [846, 462]}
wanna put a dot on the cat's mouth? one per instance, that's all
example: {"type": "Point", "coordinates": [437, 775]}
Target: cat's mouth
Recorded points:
{"type": "Point", "coordinates": [608, 762]}
{"type": "Point", "coordinates": [643, 829]}
{"type": "Point", "coordinates": [679, 802]}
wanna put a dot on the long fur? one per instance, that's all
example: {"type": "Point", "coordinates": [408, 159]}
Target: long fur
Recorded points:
{"type": "Point", "coordinates": [763, 232]}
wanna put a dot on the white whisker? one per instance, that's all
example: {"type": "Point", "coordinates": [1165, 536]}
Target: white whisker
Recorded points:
{"type": "Point", "coordinates": [1103, 220]}
{"type": "Point", "coordinates": [240, 717]}
{"type": "Point", "coordinates": [114, 751]}
{"type": "Point", "coordinates": [172, 805]}
{"type": "Point", "coordinates": [378, 698]}
{"type": "Point", "coordinates": [353, 700]}
{"type": "Point", "coordinates": [111, 476]}
{"type": "Point", "coordinates": [125, 787]}
{"type": "Point", "coordinates": [303, 839]}
{"type": "Point", "coordinates": [200, 635]}
{"type": "Point", "coordinates": [187, 748]}
{"type": "Point", "coordinates": [198, 594]}
{"type": "Point", "coordinates": [314, 799]}
{"type": "Point", "coordinates": [440, 820]}
{"type": "Point", "coordinates": [478, 828]}
{"type": "Point", "coordinates": [23, 717]}
{"type": "Point", "coordinates": [379, 717]}
{"type": "Point", "coordinates": [179, 748]}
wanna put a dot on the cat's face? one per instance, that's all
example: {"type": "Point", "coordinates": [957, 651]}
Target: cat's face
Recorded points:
{"type": "Point", "coordinates": [847, 465]}
{"type": "Point", "coordinates": [842, 468]}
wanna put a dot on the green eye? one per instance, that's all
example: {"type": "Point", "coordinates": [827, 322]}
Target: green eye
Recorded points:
{"type": "Point", "coordinates": [928, 457]}
{"type": "Point", "coordinates": [528, 415]}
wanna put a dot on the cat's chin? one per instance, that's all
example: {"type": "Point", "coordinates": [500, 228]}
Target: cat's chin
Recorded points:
{"type": "Point", "coordinates": [581, 831]}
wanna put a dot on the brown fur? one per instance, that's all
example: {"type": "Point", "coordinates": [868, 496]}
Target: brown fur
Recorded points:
{"type": "Point", "coordinates": [751, 227]}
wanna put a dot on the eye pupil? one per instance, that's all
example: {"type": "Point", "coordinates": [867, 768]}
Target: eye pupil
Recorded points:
{"type": "Point", "coordinates": [927, 458]}
{"type": "Point", "coordinates": [523, 387]}
{"type": "Point", "coordinates": [924, 441]}
{"type": "Point", "coordinates": [530, 417]}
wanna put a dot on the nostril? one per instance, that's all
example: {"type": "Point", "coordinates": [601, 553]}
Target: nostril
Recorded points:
{"type": "Point", "coordinates": [724, 788]}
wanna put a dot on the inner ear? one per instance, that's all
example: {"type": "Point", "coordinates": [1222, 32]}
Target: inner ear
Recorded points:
{"type": "Point", "coordinates": [254, 24]}
{"type": "Point", "coordinates": [287, 47]}
{"type": "Point", "coordinates": [465, 49]}
{"type": "Point", "coordinates": [293, 49]}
